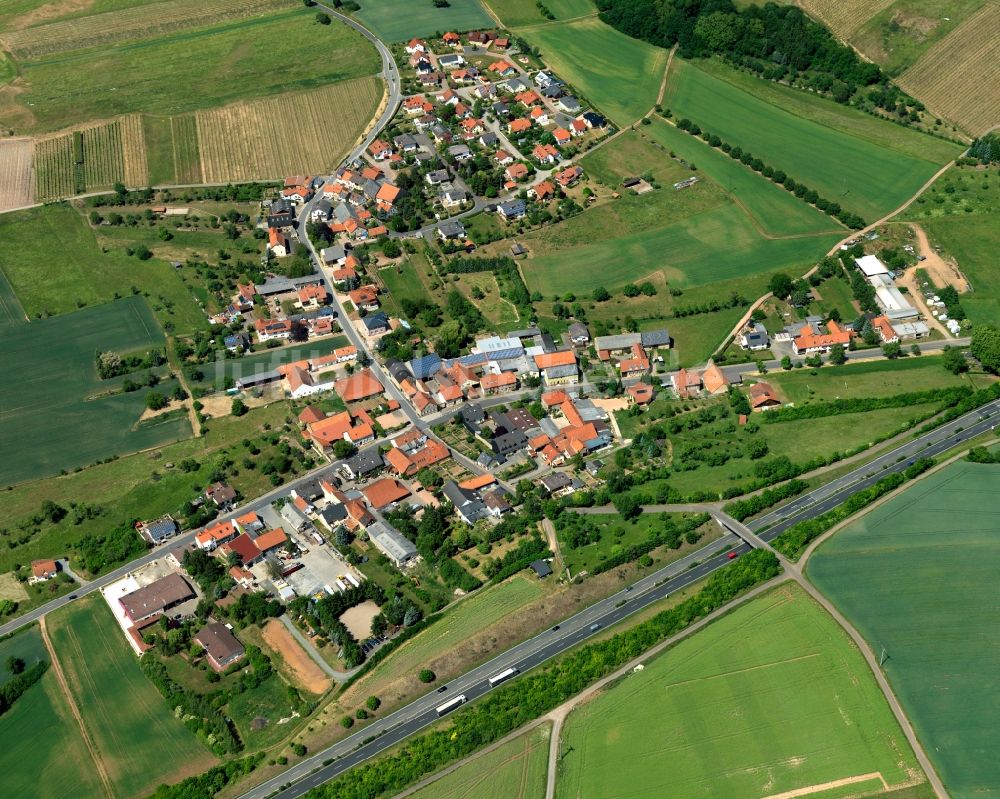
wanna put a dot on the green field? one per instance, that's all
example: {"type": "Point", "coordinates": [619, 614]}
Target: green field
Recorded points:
{"type": "Point", "coordinates": [599, 63]}
{"type": "Point", "coordinates": [55, 420]}
{"type": "Point", "coordinates": [771, 698]}
{"type": "Point", "coordinates": [26, 644]}
{"type": "Point", "coordinates": [875, 379]}
{"type": "Point", "coordinates": [41, 753]}
{"type": "Point", "coordinates": [400, 20]}
{"type": "Point", "coordinates": [52, 260]}
{"type": "Point", "coordinates": [518, 13]}
{"type": "Point", "coordinates": [471, 615]}
{"type": "Point", "coordinates": [140, 741]}
{"type": "Point", "coordinates": [916, 576]}
{"type": "Point", "coordinates": [867, 178]}
{"type": "Point", "coordinates": [515, 770]}
{"type": "Point", "coordinates": [254, 57]}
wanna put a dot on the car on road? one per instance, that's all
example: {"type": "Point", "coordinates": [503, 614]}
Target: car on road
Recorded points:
{"type": "Point", "coordinates": [629, 587]}
{"type": "Point", "coordinates": [442, 689]}
{"type": "Point", "coordinates": [555, 628]}
{"type": "Point", "coordinates": [731, 555]}
{"type": "Point", "coordinates": [594, 627]}
{"type": "Point", "coordinates": [73, 596]}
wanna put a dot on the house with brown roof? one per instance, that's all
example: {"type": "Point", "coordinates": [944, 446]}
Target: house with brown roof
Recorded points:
{"type": "Point", "coordinates": [42, 570]}
{"type": "Point", "coordinates": [219, 533]}
{"type": "Point", "coordinates": [686, 384]}
{"type": "Point", "coordinates": [763, 396]}
{"type": "Point", "coordinates": [714, 379]}
{"type": "Point", "coordinates": [808, 342]}
{"type": "Point", "coordinates": [222, 649]}
{"type": "Point", "coordinates": [157, 597]}
{"type": "Point", "coordinates": [498, 384]}
{"type": "Point", "coordinates": [385, 493]}
{"type": "Point", "coordinates": [244, 547]}
{"type": "Point", "coordinates": [640, 393]}
{"type": "Point", "coordinates": [359, 386]}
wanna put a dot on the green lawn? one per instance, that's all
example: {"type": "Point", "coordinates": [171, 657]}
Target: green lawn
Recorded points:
{"type": "Point", "coordinates": [518, 13]}
{"type": "Point", "coordinates": [52, 260]}
{"type": "Point", "coordinates": [479, 611]}
{"type": "Point", "coordinates": [400, 20]}
{"type": "Point", "coordinates": [253, 57]}
{"type": "Point", "coordinates": [405, 282]}
{"type": "Point", "coordinates": [269, 701]}
{"type": "Point", "coordinates": [38, 736]}
{"type": "Point", "coordinates": [621, 76]}
{"type": "Point", "coordinates": [771, 698]}
{"type": "Point", "coordinates": [55, 419]}
{"type": "Point", "coordinates": [140, 741]}
{"type": "Point", "coordinates": [916, 576]}
{"type": "Point", "coordinates": [515, 770]}
{"type": "Point", "coordinates": [865, 177]}
{"type": "Point", "coordinates": [875, 379]}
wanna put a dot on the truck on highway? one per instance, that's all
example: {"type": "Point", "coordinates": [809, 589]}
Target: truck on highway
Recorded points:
{"type": "Point", "coordinates": [503, 676]}
{"type": "Point", "coordinates": [450, 705]}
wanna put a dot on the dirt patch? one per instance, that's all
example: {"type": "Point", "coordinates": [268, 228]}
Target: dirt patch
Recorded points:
{"type": "Point", "coordinates": [358, 620]}
{"type": "Point", "coordinates": [943, 272]}
{"type": "Point", "coordinates": [218, 405]}
{"type": "Point", "coordinates": [303, 668]}
{"type": "Point", "coordinates": [168, 408]}
{"type": "Point", "coordinates": [10, 588]}
{"type": "Point", "coordinates": [915, 24]}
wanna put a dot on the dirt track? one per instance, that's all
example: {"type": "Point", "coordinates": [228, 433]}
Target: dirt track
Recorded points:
{"type": "Point", "coordinates": [298, 661]}
{"type": "Point", "coordinates": [944, 273]}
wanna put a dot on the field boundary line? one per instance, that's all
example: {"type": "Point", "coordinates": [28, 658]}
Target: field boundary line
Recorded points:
{"type": "Point", "coordinates": [75, 710]}
{"type": "Point", "coordinates": [550, 22]}
{"type": "Point", "coordinates": [828, 786]}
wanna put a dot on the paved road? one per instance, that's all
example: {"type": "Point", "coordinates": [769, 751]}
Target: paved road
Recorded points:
{"type": "Point", "coordinates": [419, 714]}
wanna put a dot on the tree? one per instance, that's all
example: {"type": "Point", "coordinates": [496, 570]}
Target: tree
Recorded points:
{"type": "Point", "coordinates": [7, 606]}
{"type": "Point", "coordinates": [892, 350]}
{"type": "Point", "coordinates": [155, 401]}
{"type": "Point", "coordinates": [757, 448]}
{"type": "Point", "coordinates": [412, 616]}
{"type": "Point", "coordinates": [954, 361]}
{"type": "Point", "coordinates": [373, 703]}
{"type": "Point", "coordinates": [239, 407]}
{"type": "Point", "coordinates": [628, 506]}
{"type": "Point", "coordinates": [780, 285]}
{"type": "Point", "coordinates": [837, 356]}
{"type": "Point", "coordinates": [601, 294]}
{"type": "Point", "coordinates": [786, 363]}
{"type": "Point", "coordinates": [426, 676]}
{"type": "Point", "coordinates": [985, 347]}
{"type": "Point", "coordinates": [15, 665]}
{"type": "Point", "coordinates": [391, 248]}
{"type": "Point", "coordinates": [343, 449]}
{"type": "Point", "coordinates": [323, 19]}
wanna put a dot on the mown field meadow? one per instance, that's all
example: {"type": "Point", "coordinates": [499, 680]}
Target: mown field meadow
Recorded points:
{"type": "Point", "coordinates": [864, 177]}
{"type": "Point", "coordinates": [395, 21]}
{"type": "Point", "coordinates": [771, 698]}
{"type": "Point", "coordinates": [598, 61]}
{"type": "Point", "coordinates": [520, 13]}
{"type": "Point", "coordinates": [140, 741]}
{"type": "Point", "coordinates": [916, 577]}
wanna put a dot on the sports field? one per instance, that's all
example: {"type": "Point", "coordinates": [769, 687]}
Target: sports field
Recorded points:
{"type": "Point", "coordinates": [400, 20]}
{"type": "Point", "coordinates": [917, 577]}
{"type": "Point", "coordinates": [53, 262]}
{"type": "Point", "coordinates": [959, 77]}
{"type": "Point", "coordinates": [598, 62]}
{"type": "Point", "coordinates": [518, 13]}
{"type": "Point", "coordinates": [239, 59]}
{"type": "Point", "coordinates": [38, 736]}
{"type": "Point", "coordinates": [769, 699]}
{"type": "Point", "coordinates": [139, 740]}
{"type": "Point", "coordinates": [515, 770]}
{"type": "Point", "coordinates": [863, 177]}
{"type": "Point", "coordinates": [51, 380]}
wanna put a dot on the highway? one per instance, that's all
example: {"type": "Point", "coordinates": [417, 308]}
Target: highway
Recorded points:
{"type": "Point", "coordinates": [419, 714]}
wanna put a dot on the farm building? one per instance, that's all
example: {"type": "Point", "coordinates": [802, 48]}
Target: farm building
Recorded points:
{"type": "Point", "coordinates": [397, 547]}
{"type": "Point", "coordinates": [157, 597]}
{"type": "Point", "coordinates": [221, 647]}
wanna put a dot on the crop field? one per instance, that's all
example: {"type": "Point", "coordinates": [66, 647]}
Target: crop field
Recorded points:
{"type": "Point", "coordinates": [90, 276]}
{"type": "Point", "coordinates": [901, 32]}
{"type": "Point", "coordinates": [916, 577]}
{"type": "Point", "coordinates": [17, 180]}
{"type": "Point", "coordinates": [172, 151]}
{"type": "Point", "coordinates": [862, 176]}
{"type": "Point", "coordinates": [250, 140]}
{"type": "Point", "coordinates": [959, 77]}
{"type": "Point", "coordinates": [770, 699]}
{"type": "Point", "coordinates": [140, 741]}
{"type": "Point", "coordinates": [519, 13]}
{"type": "Point", "coordinates": [125, 24]}
{"type": "Point", "coordinates": [515, 770]}
{"type": "Point", "coordinates": [844, 17]}
{"type": "Point", "coordinates": [38, 735]}
{"type": "Point", "coordinates": [399, 20]}
{"type": "Point", "coordinates": [51, 378]}
{"type": "Point", "coordinates": [55, 172]}
{"type": "Point", "coordinates": [244, 58]}
{"type": "Point", "coordinates": [469, 616]}
{"type": "Point", "coordinates": [875, 379]}
{"type": "Point", "coordinates": [598, 61]}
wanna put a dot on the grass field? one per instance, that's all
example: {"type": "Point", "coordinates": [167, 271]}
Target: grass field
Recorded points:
{"type": "Point", "coordinates": [875, 379]}
{"type": "Point", "coordinates": [475, 613]}
{"type": "Point", "coordinates": [598, 62]}
{"type": "Point", "coordinates": [39, 736]}
{"type": "Point", "coordinates": [772, 698]}
{"type": "Point", "coordinates": [51, 373]}
{"type": "Point", "coordinates": [243, 58]}
{"type": "Point", "coordinates": [395, 21]}
{"type": "Point", "coordinates": [54, 264]}
{"type": "Point", "coordinates": [26, 644]}
{"type": "Point", "coordinates": [959, 77]}
{"type": "Point", "coordinates": [140, 741]}
{"type": "Point", "coordinates": [518, 13]}
{"type": "Point", "coordinates": [498, 312]}
{"type": "Point", "coordinates": [864, 177]}
{"type": "Point", "coordinates": [916, 577]}
{"type": "Point", "coordinates": [515, 770]}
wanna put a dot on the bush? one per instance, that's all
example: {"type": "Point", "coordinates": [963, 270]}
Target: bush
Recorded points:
{"type": "Point", "coordinates": [426, 676]}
